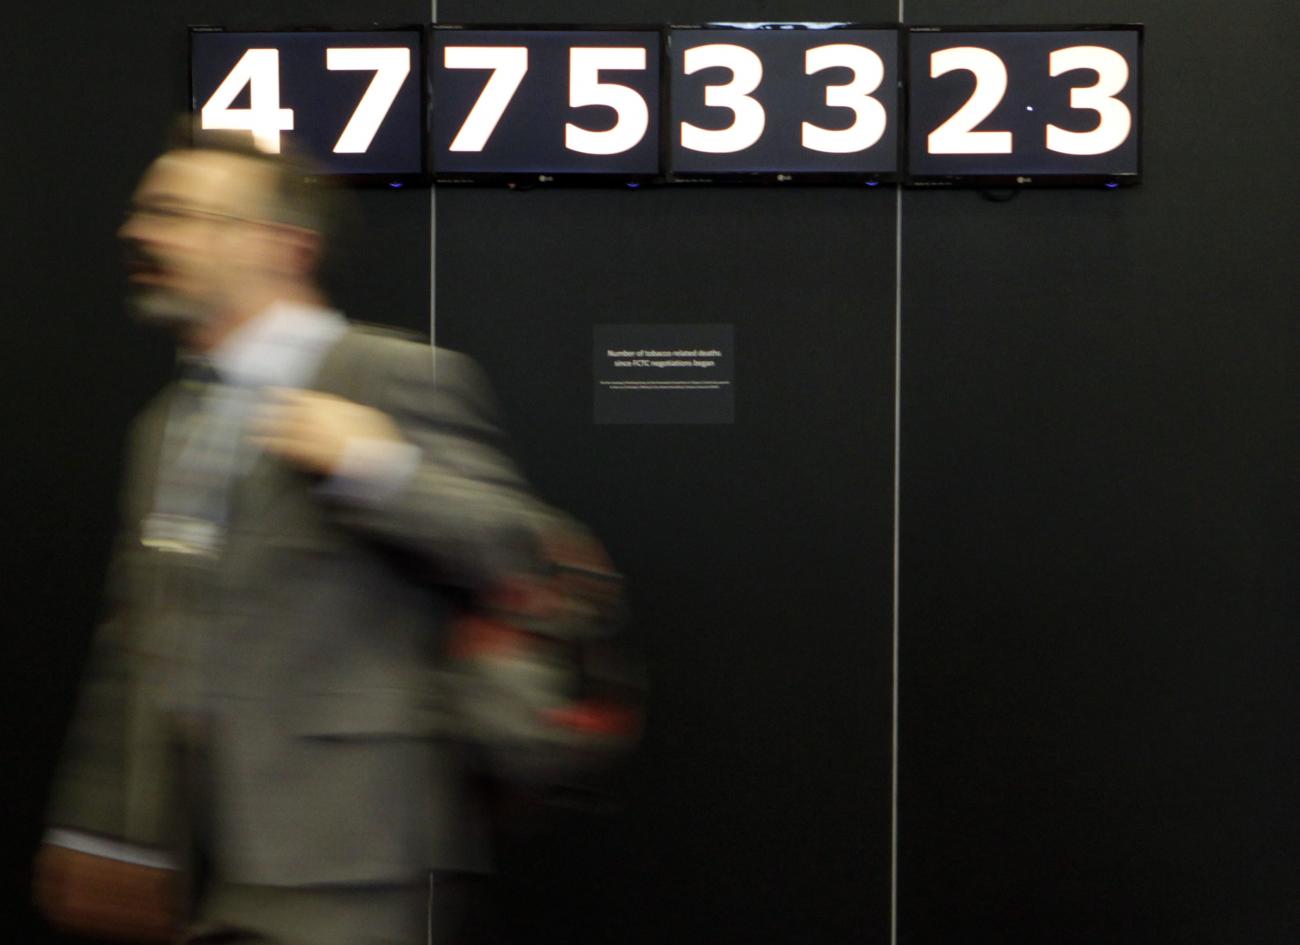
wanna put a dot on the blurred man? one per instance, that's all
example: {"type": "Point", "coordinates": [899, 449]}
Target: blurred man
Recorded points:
{"type": "Point", "coordinates": [266, 707]}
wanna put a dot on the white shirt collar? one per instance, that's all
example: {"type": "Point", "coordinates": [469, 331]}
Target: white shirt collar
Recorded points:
{"type": "Point", "coordinates": [281, 347]}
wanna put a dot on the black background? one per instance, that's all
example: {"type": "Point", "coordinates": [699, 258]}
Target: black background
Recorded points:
{"type": "Point", "coordinates": [1098, 647]}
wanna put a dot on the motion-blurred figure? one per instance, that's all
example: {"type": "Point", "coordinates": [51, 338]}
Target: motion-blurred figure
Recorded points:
{"type": "Point", "coordinates": [272, 738]}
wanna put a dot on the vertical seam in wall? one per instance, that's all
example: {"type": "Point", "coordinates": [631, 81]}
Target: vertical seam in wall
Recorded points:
{"type": "Point", "coordinates": [433, 358]}
{"type": "Point", "coordinates": [898, 430]}
{"type": "Point", "coordinates": [433, 236]}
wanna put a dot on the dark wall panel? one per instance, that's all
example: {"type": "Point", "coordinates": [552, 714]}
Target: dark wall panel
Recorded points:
{"type": "Point", "coordinates": [758, 554]}
{"type": "Point", "coordinates": [1098, 522]}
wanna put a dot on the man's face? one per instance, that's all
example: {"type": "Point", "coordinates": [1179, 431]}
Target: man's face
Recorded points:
{"type": "Point", "coordinates": [193, 235]}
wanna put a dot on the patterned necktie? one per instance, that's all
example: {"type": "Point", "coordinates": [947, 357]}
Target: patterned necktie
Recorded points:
{"type": "Point", "coordinates": [202, 447]}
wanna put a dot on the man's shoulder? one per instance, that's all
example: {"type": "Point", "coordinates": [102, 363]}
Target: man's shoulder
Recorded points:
{"type": "Point", "coordinates": [405, 344]}
{"type": "Point", "coordinates": [373, 351]}
{"type": "Point", "coordinates": [384, 339]}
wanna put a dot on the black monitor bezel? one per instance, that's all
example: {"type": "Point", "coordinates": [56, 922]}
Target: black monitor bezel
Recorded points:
{"type": "Point", "coordinates": [1024, 181]}
{"type": "Point", "coordinates": [379, 179]}
{"type": "Point", "coordinates": [526, 180]}
{"type": "Point", "coordinates": [777, 177]}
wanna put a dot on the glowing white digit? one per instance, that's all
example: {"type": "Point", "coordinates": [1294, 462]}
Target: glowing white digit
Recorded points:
{"type": "Point", "coordinates": [749, 117]}
{"type": "Point", "coordinates": [259, 70]}
{"type": "Point", "coordinates": [1116, 120]}
{"type": "Point", "coordinates": [391, 67]}
{"type": "Point", "coordinates": [585, 88]}
{"type": "Point", "coordinates": [508, 65]}
{"type": "Point", "coordinates": [957, 134]}
{"type": "Point", "coordinates": [868, 74]}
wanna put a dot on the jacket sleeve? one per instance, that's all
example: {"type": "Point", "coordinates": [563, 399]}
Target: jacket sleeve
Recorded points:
{"type": "Point", "coordinates": [111, 779]}
{"type": "Point", "coordinates": [465, 507]}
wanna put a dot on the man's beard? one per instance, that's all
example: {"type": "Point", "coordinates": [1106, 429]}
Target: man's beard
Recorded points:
{"type": "Point", "coordinates": [157, 305]}
{"type": "Point", "coordinates": [151, 305]}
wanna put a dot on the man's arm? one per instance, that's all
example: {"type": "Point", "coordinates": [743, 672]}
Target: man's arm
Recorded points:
{"type": "Point", "coordinates": [92, 874]}
{"type": "Point", "coordinates": [434, 477]}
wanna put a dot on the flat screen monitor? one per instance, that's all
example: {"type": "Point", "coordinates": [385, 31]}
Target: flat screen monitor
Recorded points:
{"type": "Point", "coordinates": [776, 102]}
{"type": "Point", "coordinates": [1024, 107]}
{"type": "Point", "coordinates": [350, 101]}
{"type": "Point", "coordinates": [545, 105]}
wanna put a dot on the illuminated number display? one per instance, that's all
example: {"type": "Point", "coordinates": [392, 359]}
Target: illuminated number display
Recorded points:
{"type": "Point", "coordinates": [763, 102]}
{"type": "Point", "coordinates": [545, 102]}
{"type": "Point", "coordinates": [803, 102]}
{"type": "Point", "coordinates": [352, 102]}
{"type": "Point", "coordinates": [1019, 105]}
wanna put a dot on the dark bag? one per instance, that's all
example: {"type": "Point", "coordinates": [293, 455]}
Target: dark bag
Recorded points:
{"type": "Point", "coordinates": [547, 688]}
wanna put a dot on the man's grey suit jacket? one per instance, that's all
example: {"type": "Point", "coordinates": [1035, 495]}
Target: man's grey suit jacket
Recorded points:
{"type": "Point", "coordinates": [308, 654]}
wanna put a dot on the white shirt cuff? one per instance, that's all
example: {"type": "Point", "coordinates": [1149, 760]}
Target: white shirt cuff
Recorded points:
{"type": "Point", "coordinates": [108, 849]}
{"type": "Point", "coordinates": [371, 471]}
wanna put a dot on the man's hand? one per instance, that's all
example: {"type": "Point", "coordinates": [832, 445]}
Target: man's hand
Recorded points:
{"type": "Point", "coordinates": [311, 430]}
{"type": "Point", "coordinates": [105, 898]}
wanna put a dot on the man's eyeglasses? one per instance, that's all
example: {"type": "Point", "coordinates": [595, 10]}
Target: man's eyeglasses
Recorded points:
{"type": "Point", "coordinates": [173, 214]}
